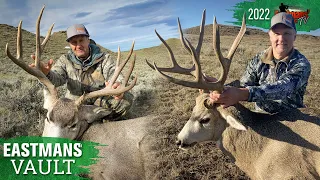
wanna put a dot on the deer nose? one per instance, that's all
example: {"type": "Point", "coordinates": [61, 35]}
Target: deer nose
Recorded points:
{"type": "Point", "coordinates": [178, 142]}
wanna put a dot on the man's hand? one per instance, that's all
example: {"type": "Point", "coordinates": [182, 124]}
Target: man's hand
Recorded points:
{"type": "Point", "coordinates": [45, 68]}
{"type": "Point", "coordinates": [115, 86]}
{"type": "Point", "coordinates": [230, 96]}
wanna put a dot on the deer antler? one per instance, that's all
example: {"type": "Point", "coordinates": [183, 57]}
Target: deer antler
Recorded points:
{"type": "Point", "coordinates": [195, 71]}
{"type": "Point", "coordinates": [176, 68]}
{"type": "Point", "coordinates": [35, 71]}
{"type": "Point", "coordinates": [108, 90]}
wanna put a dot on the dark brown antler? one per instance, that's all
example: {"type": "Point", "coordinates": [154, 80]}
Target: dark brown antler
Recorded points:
{"type": "Point", "coordinates": [175, 66]}
{"type": "Point", "coordinates": [195, 71]}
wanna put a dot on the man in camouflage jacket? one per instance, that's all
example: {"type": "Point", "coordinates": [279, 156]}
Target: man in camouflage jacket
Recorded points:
{"type": "Point", "coordinates": [276, 78]}
{"type": "Point", "coordinates": [85, 69]}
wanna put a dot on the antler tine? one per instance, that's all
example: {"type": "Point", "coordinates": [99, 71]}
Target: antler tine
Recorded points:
{"type": "Point", "coordinates": [195, 58]}
{"type": "Point", "coordinates": [196, 73]}
{"type": "Point", "coordinates": [19, 42]}
{"type": "Point", "coordinates": [201, 34]}
{"type": "Point", "coordinates": [44, 42]}
{"type": "Point", "coordinates": [216, 47]}
{"type": "Point", "coordinates": [120, 67]}
{"type": "Point", "coordinates": [226, 62]}
{"type": "Point", "coordinates": [38, 45]}
{"type": "Point", "coordinates": [173, 60]}
{"type": "Point", "coordinates": [40, 48]}
{"type": "Point", "coordinates": [19, 47]}
{"type": "Point", "coordinates": [192, 84]}
{"type": "Point", "coordinates": [19, 50]}
{"type": "Point", "coordinates": [199, 82]}
{"type": "Point", "coordinates": [175, 66]}
{"type": "Point", "coordinates": [118, 58]}
{"type": "Point", "coordinates": [238, 39]}
{"type": "Point", "coordinates": [33, 71]}
{"type": "Point", "coordinates": [203, 21]}
{"type": "Point", "coordinates": [182, 39]}
{"type": "Point", "coordinates": [105, 92]}
{"type": "Point", "coordinates": [108, 90]}
{"type": "Point", "coordinates": [187, 45]}
{"type": "Point", "coordinates": [126, 78]}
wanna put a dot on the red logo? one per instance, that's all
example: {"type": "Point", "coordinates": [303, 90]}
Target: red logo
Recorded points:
{"type": "Point", "coordinates": [299, 16]}
{"type": "Point", "coordinates": [80, 30]}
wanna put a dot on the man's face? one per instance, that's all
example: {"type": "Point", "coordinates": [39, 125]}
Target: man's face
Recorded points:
{"type": "Point", "coordinates": [80, 46]}
{"type": "Point", "coordinates": [282, 38]}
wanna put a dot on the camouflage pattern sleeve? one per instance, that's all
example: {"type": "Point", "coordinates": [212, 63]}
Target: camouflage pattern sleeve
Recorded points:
{"type": "Point", "coordinates": [58, 75]}
{"type": "Point", "coordinates": [294, 79]}
{"type": "Point", "coordinates": [250, 77]}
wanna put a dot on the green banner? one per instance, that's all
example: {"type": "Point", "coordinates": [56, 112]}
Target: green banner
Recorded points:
{"type": "Point", "coordinates": [260, 12]}
{"type": "Point", "coordinates": [46, 158]}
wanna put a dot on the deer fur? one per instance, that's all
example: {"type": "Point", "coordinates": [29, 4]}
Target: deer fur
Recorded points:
{"type": "Point", "coordinates": [127, 148]}
{"type": "Point", "coordinates": [124, 143]}
{"type": "Point", "coordinates": [280, 146]}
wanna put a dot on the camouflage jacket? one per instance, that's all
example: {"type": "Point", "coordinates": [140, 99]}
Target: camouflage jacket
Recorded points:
{"type": "Point", "coordinates": [82, 76]}
{"type": "Point", "coordinates": [277, 85]}
{"type": "Point", "coordinates": [87, 76]}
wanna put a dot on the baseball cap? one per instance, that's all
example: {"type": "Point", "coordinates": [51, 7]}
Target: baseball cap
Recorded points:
{"type": "Point", "coordinates": [76, 29]}
{"type": "Point", "coordinates": [283, 18]}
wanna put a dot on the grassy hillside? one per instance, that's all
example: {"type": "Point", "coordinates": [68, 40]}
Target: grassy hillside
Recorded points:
{"type": "Point", "coordinates": [224, 30]}
{"type": "Point", "coordinates": [21, 111]}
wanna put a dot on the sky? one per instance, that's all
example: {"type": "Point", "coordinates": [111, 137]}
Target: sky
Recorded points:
{"type": "Point", "coordinates": [113, 23]}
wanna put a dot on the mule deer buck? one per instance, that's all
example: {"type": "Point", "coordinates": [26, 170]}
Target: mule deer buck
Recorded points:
{"type": "Point", "coordinates": [72, 119]}
{"type": "Point", "coordinates": [281, 146]}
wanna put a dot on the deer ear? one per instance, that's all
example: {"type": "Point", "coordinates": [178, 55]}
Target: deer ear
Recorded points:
{"type": "Point", "coordinates": [209, 104]}
{"type": "Point", "coordinates": [231, 120]}
{"type": "Point", "coordinates": [201, 91]}
{"type": "Point", "coordinates": [92, 113]}
{"type": "Point", "coordinates": [48, 99]}
{"type": "Point", "coordinates": [235, 123]}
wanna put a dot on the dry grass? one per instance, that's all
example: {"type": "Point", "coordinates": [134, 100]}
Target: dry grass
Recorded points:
{"type": "Point", "coordinates": [21, 111]}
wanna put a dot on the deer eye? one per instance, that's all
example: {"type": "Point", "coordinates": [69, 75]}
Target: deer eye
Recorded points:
{"type": "Point", "coordinates": [73, 126]}
{"type": "Point", "coordinates": [204, 120]}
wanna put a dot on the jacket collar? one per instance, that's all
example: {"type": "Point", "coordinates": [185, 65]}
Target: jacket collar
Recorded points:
{"type": "Point", "coordinates": [95, 56]}
{"type": "Point", "coordinates": [267, 57]}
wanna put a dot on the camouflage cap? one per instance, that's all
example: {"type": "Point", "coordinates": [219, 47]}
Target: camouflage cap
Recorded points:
{"type": "Point", "coordinates": [76, 29]}
{"type": "Point", "coordinates": [283, 18]}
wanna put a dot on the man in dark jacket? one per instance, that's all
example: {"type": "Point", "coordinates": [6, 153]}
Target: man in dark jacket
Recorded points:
{"type": "Point", "coordinates": [275, 79]}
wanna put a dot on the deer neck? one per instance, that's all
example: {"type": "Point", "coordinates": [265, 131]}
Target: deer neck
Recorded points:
{"type": "Point", "coordinates": [241, 146]}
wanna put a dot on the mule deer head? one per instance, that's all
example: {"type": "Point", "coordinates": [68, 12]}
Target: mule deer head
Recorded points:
{"type": "Point", "coordinates": [208, 120]}
{"type": "Point", "coordinates": [67, 118]}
